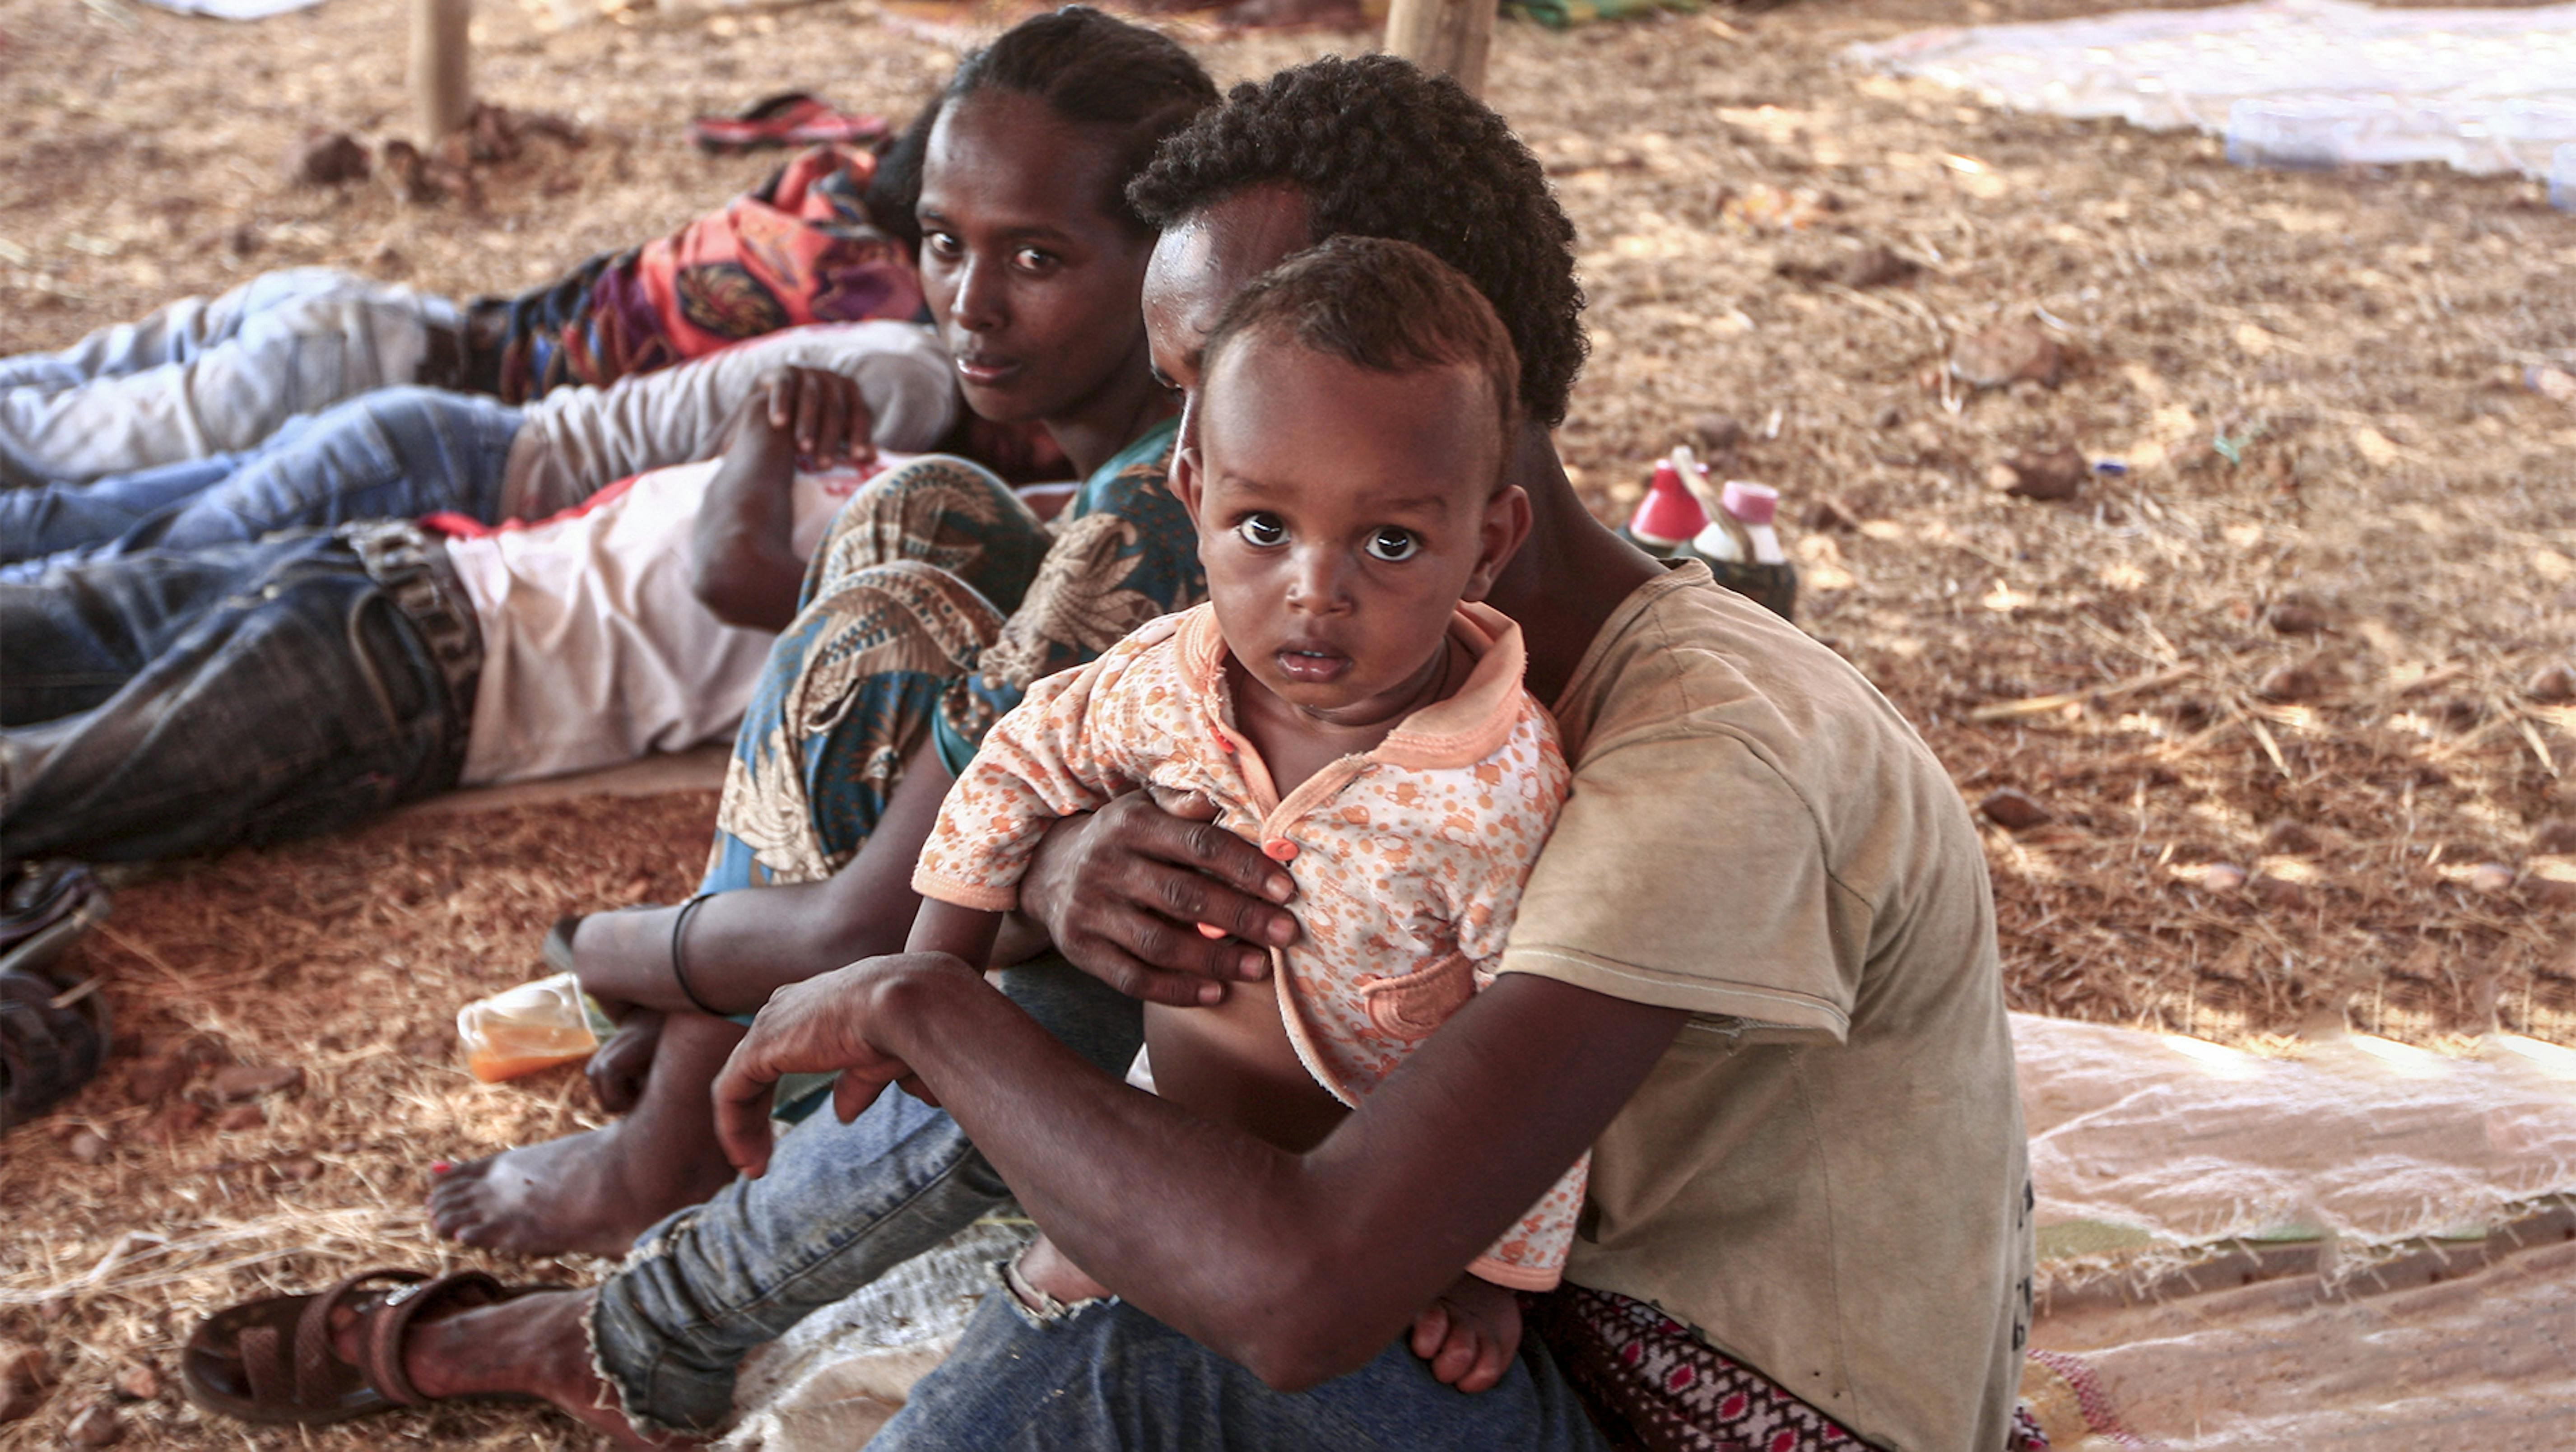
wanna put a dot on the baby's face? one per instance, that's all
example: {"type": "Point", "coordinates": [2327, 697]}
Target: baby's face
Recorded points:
{"type": "Point", "coordinates": [1342, 516]}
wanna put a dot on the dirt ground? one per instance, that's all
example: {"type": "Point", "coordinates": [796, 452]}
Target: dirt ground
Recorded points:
{"type": "Point", "coordinates": [2280, 688]}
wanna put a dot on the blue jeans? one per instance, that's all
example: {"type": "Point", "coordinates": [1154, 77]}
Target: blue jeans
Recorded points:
{"type": "Point", "coordinates": [166, 702]}
{"type": "Point", "coordinates": [840, 1206]}
{"type": "Point", "coordinates": [207, 376]}
{"type": "Point", "coordinates": [1103, 1374]}
{"type": "Point", "coordinates": [396, 453]}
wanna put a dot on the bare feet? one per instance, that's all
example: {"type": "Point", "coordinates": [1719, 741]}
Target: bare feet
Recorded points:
{"type": "Point", "coordinates": [535, 1345]}
{"type": "Point", "coordinates": [588, 1194]}
{"type": "Point", "coordinates": [1469, 1334]}
{"type": "Point", "coordinates": [594, 1193]}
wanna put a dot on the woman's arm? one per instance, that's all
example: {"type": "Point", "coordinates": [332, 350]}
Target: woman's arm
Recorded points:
{"type": "Point", "coordinates": [1300, 1267]}
{"type": "Point", "coordinates": [742, 946]}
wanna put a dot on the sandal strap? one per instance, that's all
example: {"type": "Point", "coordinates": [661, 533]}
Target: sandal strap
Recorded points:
{"type": "Point", "coordinates": [392, 1324]}
{"type": "Point", "coordinates": [313, 1358]}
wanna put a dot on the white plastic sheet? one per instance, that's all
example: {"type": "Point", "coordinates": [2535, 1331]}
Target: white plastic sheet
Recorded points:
{"type": "Point", "coordinates": [2290, 82]}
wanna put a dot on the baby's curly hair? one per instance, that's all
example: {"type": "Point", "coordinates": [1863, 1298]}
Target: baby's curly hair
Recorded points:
{"type": "Point", "coordinates": [1382, 149]}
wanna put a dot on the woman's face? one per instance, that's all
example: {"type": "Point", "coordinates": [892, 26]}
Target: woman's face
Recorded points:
{"type": "Point", "coordinates": [1034, 285]}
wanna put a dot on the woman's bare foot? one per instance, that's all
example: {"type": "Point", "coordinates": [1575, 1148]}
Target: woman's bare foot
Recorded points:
{"type": "Point", "coordinates": [535, 1345]}
{"type": "Point", "coordinates": [594, 1193]}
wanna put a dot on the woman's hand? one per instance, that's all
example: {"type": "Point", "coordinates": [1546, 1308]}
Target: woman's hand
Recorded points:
{"type": "Point", "coordinates": [619, 1067]}
{"type": "Point", "coordinates": [820, 1026]}
{"type": "Point", "coordinates": [1123, 891]}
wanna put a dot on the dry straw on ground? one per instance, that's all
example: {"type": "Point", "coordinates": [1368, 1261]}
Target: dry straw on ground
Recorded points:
{"type": "Point", "coordinates": [2272, 687]}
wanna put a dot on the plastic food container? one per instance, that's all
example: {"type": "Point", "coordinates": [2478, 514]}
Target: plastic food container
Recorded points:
{"type": "Point", "coordinates": [531, 1027]}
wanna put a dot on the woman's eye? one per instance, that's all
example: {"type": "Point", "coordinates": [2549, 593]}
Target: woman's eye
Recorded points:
{"type": "Point", "coordinates": [940, 243]}
{"type": "Point", "coordinates": [1030, 259]}
{"type": "Point", "coordinates": [1392, 544]}
{"type": "Point", "coordinates": [1262, 531]}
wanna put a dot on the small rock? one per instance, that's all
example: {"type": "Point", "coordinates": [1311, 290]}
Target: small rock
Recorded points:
{"type": "Point", "coordinates": [2290, 839]}
{"type": "Point", "coordinates": [88, 1146]}
{"type": "Point", "coordinates": [244, 239]}
{"type": "Point", "coordinates": [2555, 836]}
{"type": "Point", "coordinates": [177, 1122]}
{"type": "Point", "coordinates": [240, 1117]}
{"type": "Point", "coordinates": [1889, 417]}
{"type": "Point", "coordinates": [24, 1377]}
{"type": "Point", "coordinates": [324, 160]}
{"type": "Point", "coordinates": [250, 1081]}
{"type": "Point", "coordinates": [2014, 810]}
{"type": "Point", "coordinates": [2292, 683]}
{"type": "Point", "coordinates": [2290, 617]}
{"type": "Point", "coordinates": [1872, 266]}
{"type": "Point", "coordinates": [2554, 383]}
{"type": "Point", "coordinates": [1717, 433]}
{"type": "Point", "coordinates": [95, 1425]}
{"type": "Point", "coordinates": [2030, 474]}
{"type": "Point", "coordinates": [1829, 512]}
{"type": "Point", "coordinates": [2222, 877]}
{"type": "Point", "coordinates": [137, 1381]}
{"type": "Point", "coordinates": [2491, 878]}
{"type": "Point", "coordinates": [158, 1078]}
{"type": "Point", "coordinates": [2551, 685]}
{"type": "Point", "coordinates": [2280, 892]}
{"type": "Point", "coordinates": [1999, 356]}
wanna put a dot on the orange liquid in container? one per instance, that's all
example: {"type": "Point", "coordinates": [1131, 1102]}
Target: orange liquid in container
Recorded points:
{"type": "Point", "coordinates": [534, 1026]}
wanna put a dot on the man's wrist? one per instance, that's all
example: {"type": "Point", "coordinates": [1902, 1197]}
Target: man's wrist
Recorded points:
{"type": "Point", "coordinates": [909, 996]}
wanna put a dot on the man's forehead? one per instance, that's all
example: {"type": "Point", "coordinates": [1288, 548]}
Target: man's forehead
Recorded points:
{"type": "Point", "coordinates": [1201, 263]}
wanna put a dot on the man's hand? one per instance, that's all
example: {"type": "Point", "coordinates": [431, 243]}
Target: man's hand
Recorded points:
{"type": "Point", "coordinates": [823, 413]}
{"type": "Point", "coordinates": [1469, 1334]}
{"type": "Point", "coordinates": [1124, 890]}
{"type": "Point", "coordinates": [819, 1026]}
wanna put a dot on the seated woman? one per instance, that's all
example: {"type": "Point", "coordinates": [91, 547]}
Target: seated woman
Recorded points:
{"type": "Point", "coordinates": [926, 614]}
{"type": "Point", "coordinates": [208, 376]}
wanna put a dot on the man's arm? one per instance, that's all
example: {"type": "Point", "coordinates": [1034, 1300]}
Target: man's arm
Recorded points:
{"type": "Point", "coordinates": [1300, 1267]}
{"type": "Point", "coordinates": [743, 560]}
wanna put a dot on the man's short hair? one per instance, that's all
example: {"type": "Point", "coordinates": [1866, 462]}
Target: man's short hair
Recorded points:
{"type": "Point", "coordinates": [1381, 149]}
{"type": "Point", "coordinates": [1386, 306]}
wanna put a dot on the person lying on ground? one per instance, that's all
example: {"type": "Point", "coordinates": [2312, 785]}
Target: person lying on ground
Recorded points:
{"type": "Point", "coordinates": [1339, 700]}
{"type": "Point", "coordinates": [174, 701]}
{"type": "Point", "coordinates": [936, 601]}
{"type": "Point", "coordinates": [209, 376]}
{"type": "Point", "coordinates": [1755, 970]}
{"type": "Point", "coordinates": [403, 453]}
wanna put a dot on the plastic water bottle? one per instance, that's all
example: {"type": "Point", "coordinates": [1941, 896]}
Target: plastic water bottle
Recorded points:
{"type": "Point", "coordinates": [1670, 514]}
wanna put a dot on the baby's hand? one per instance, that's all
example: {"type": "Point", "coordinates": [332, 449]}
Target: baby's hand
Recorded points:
{"type": "Point", "coordinates": [1469, 1334]}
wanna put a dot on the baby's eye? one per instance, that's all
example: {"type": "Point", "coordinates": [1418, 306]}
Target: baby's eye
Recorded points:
{"type": "Point", "coordinates": [1392, 544]}
{"type": "Point", "coordinates": [1262, 531]}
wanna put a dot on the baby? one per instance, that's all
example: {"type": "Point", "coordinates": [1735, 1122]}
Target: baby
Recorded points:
{"type": "Point", "coordinates": [1341, 701]}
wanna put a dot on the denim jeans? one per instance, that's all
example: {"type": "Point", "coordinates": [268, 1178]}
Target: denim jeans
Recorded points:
{"type": "Point", "coordinates": [840, 1206]}
{"type": "Point", "coordinates": [1102, 1374]}
{"type": "Point", "coordinates": [396, 453]}
{"type": "Point", "coordinates": [167, 702]}
{"type": "Point", "coordinates": [209, 376]}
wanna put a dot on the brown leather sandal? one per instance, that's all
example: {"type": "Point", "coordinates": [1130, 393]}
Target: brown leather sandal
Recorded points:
{"type": "Point", "coordinates": [272, 1360]}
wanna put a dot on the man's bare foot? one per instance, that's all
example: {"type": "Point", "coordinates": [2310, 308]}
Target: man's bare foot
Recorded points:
{"type": "Point", "coordinates": [590, 1193]}
{"type": "Point", "coordinates": [536, 1345]}
{"type": "Point", "coordinates": [594, 1193]}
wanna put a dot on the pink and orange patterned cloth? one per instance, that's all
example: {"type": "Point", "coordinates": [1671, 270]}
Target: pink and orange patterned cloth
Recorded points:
{"type": "Point", "coordinates": [1409, 860]}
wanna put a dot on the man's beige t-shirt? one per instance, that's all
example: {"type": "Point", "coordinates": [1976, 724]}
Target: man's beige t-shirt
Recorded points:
{"type": "Point", "coordinates": [1826, 1177]}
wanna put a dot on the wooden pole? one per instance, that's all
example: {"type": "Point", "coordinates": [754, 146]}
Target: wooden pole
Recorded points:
{"type": "Point", "coordinates": [442, 94]}
{"type": "Point", "coordinates": [1451, 36]}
